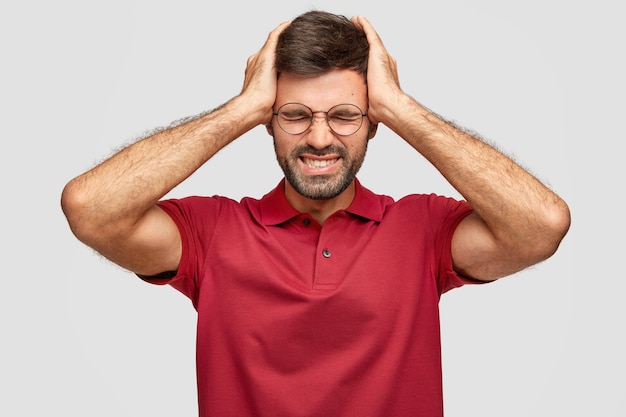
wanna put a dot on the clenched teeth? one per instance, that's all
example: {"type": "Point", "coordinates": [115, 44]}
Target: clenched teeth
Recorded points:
{"type": "Point", "coordinates": [317, 163]}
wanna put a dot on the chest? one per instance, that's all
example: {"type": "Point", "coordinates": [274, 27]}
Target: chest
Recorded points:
{"type": "Point", "coordinates": [348, 271]}
{"type": "Point", "coordinates": [311, 258]}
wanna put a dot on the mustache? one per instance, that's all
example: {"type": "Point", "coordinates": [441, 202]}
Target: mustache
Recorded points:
{"type": "Point", "coordinates": [308, 149]}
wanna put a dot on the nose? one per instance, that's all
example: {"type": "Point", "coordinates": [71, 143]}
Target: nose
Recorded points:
{"type": "Point", "coordinates": [319, 134]}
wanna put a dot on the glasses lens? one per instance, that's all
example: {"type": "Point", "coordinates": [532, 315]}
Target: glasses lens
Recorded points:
{"type": "Point", "coordinates": [345, 119]}
{"type": "Point", "coordinates": [294, 118]}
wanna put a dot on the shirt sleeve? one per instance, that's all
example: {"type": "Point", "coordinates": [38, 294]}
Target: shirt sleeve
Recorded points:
{"type": "Point", "coordinates": [195, 218]}
{"type": "Point", "coordinates": [446, 217]}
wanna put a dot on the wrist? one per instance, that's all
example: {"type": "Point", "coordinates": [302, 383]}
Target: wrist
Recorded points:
{"type": "Point", "coordinates": [250, 110]}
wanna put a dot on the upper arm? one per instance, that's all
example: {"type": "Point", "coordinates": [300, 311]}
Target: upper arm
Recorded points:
{"type": "Point", "coordinates": [476, 253]}
{"type": "Point", "coordinates": [152, 246]}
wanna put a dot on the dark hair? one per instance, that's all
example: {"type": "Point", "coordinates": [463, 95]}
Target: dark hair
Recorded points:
{"type": "Point", "coordinates": [317, 42]}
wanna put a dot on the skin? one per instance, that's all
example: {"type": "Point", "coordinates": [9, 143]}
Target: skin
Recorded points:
{"type": "Point", "coordinates": [319, 143]}
{"type": "Point", "coordinates": [517, 221]}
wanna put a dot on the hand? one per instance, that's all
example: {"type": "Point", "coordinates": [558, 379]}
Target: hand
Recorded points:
{"type": "Point", "coordinates": [383, 85]}
{"type": "Point", "coordinates": [259, 84]}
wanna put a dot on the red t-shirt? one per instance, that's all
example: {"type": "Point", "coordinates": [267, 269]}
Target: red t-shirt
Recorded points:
{"type": "Point", "coordinates": [301, 319]}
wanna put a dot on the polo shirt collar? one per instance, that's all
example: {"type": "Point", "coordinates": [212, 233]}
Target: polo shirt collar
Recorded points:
{"type": "Point", "coordinates": [275, 209]}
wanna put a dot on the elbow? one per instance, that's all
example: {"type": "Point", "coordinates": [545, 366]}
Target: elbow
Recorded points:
{"type": "Point", "coordinates": [75, 207]}
{"type": "Point", "coordinates": [560, 221]}
{"type": "Point", "coordinates": [555, 225]}
{"type": "Point", "coordinates": [72, 204]}
{"type": "Point", "coordinates": [92, 216]}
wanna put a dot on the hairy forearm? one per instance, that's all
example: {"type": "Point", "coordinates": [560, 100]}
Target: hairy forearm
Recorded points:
{"type": "Point", "coordinates": [515, 206]}
{"type": "Point", "coordinates": [116, 193]}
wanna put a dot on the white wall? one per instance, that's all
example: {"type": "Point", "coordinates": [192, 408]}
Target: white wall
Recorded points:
{"type": "Point", "coordinates": [542, 79]}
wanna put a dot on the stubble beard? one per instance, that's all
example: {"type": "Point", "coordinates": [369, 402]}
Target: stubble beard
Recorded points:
{"type": "Point", "coordinates": [322, 187]}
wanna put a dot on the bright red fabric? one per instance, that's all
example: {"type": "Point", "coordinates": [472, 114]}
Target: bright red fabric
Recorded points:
{"type": "Point", "coordinates": [299, 319]}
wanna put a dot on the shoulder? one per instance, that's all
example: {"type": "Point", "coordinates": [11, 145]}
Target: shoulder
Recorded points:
{"type": "Point", "coordinates": [428, 212]}
{"type": "Point", "coordinates": [194, 203]}
{"type": "Point", "coordinates": [199, 210]}
{"type": "Point", "coordinates": [429, 205]}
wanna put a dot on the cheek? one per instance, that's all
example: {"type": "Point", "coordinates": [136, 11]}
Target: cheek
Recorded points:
{"type": "Point", "coordinates": [281, 145]}
{"type": "Point", "coordinates": [356, 144]}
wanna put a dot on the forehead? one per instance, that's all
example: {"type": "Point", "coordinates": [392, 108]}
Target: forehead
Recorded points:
{"type": "Point", "coordinates": [322, 91]}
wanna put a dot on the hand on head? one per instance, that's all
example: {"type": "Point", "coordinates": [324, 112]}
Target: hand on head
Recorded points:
{"type": "Point", "coordinates": [382, 75]}
{"type": "Point", "coordinates": [383, 84]}
{"type": "Point", "coordinates": [260, 75]}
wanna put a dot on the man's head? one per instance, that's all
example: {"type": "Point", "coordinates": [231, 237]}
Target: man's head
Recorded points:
{"type": "Point", "coordinates": [317, 42]}
{"type": "Point", "coordinates": [321, 60]}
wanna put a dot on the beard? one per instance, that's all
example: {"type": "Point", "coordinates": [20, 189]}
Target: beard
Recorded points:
{"type": "Point", "coordinates": [322, 187]}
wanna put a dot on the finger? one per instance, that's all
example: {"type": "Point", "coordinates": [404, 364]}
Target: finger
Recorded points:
{"type": "Point", "coordinates": [265, 54]}
{"type": "Point", "coordinates": [370, 32]}
{"type": "Point", "coordinates": [272, 38]}
{"type": "Point", "coordinates": [270, 42]}
{"type": "Point", "coordinates": [269, 48]}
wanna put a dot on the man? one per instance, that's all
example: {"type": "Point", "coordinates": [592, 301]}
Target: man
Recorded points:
{"type": "Point", "coordinates": [321, 298]}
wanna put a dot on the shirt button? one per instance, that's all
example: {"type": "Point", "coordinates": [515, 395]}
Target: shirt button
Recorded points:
{"type": "Point", "coordinates": [306, 222]}
{"type": "Point", "coordinates": [326, 253]}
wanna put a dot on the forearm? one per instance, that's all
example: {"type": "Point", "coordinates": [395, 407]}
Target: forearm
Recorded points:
{"type": "Point", "coordinates": [517, 222]}
{"type": "Point", "coordinates": [514, 205]}
{"type": "Point", "coordinates": [115, 194]}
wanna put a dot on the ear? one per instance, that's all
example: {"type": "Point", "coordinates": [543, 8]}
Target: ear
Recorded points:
{"type": "Point", "coordinates": [371, 130]}
{"type": "Point", "coordinates": [270, 129]}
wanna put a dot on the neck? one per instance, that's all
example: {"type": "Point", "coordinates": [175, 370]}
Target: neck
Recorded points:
{"type": "Point", "coordinates": [320, 210]}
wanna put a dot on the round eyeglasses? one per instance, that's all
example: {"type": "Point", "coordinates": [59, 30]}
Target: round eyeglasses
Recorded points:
{"type": "Point", "coordinates": [296, 118]}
